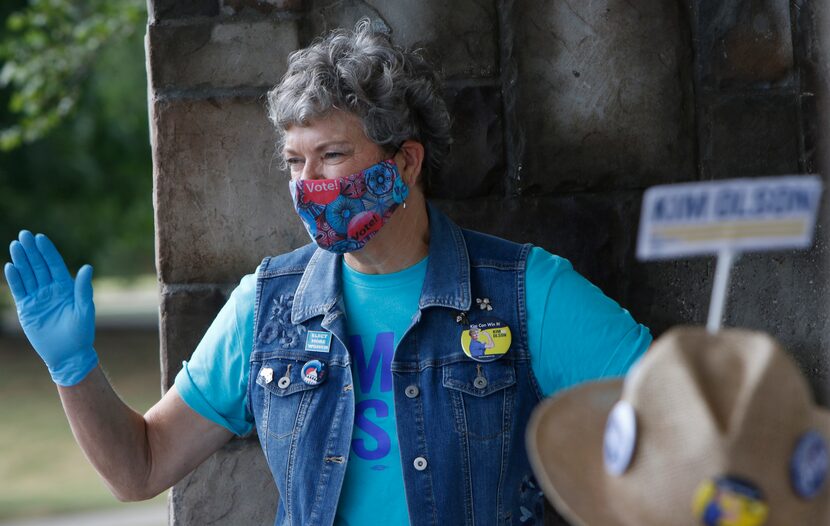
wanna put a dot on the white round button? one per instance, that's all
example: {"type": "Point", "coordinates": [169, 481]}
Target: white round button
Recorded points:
{"type": "Point", "coordinates": [620, 438]}
{"type": "Point", "coordinates": [420, 463]}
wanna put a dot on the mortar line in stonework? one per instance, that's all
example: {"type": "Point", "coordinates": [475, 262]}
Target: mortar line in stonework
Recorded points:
{"type": "Point", "coordinates": [508, 71]}
{"type": "Point", "coordinates": [473, 82]}
{"type": "Point", "coordinates": [174, 94]}
{"type": "Point", "coordinates": [799, 65]}
{"type": "Point", "coordinates": [241, 18]}
{"type": "Point", "coordinates": [176, 288]}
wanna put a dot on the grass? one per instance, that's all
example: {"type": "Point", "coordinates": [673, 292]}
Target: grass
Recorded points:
{"type": "Point", "coordinates": [42, 470]}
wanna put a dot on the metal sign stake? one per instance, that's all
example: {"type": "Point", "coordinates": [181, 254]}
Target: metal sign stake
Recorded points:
{"type": "Point", "coordinates": [726, 258]}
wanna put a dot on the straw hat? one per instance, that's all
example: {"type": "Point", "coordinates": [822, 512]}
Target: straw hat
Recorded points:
{"type": "Point", "coordinates": [702, 423]}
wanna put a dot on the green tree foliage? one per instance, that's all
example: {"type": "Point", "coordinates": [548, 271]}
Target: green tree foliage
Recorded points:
{"type": "Point", "coordinates": [49, 50]}
{"type": "Point", "coordinates": [74, 112]}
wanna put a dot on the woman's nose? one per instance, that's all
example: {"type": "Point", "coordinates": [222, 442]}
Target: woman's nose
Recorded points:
{"type": "Point", "coordinates": [312, 170]}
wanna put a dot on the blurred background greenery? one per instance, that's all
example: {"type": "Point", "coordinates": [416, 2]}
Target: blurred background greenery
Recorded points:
{"type": "Point", "coordinates": [74, 149]}
{"type": "Point", "coordinates": [75, 164]}
{"type": "Point", "coordinates": [42, 470]}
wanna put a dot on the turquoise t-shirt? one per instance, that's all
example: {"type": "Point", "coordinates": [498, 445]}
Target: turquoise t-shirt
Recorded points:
{"type": "Point", "coordinates": [594, 338]}
{"type": "Point", "coordinates": [379, 310]}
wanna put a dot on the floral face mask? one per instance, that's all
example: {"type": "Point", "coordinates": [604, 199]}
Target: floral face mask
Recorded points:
{"type": "Point", "coordinates": [342, 215]}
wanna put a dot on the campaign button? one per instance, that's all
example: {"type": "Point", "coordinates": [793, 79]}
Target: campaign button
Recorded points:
{"type": "Point", "coordinates": [267, 374]}
{"type": "Point", "coordinates": [620, 438]}
{"type": "Point", "coordinates": [314, 372]}
{"type": "Point", "coordinates": [809, 464]}
{"type": "Point", "coordinates": [726, 500]}
{"type": "Point", "coordinates": [486, 339]}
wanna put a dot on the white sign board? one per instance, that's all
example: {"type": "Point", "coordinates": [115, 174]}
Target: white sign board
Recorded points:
{"type": "Point", "coordinates": [737, 215]}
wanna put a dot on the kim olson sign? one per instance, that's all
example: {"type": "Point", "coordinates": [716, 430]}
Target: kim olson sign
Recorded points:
{"type": "Point", "coordinates": [740, 214]}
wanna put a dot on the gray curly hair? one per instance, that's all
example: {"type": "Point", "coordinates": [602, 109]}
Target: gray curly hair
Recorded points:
{"type": "Point", "coordinates": [395, 92]}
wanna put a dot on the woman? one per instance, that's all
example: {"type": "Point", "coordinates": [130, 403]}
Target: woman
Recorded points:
{"type": "Point", "coordinates": [479, 342]}
{"type": "Point", "coordinates": [350, 357]}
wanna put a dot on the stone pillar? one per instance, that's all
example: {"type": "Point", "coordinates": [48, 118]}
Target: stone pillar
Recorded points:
{"type": "Point", "coordinates": [219, 203]}
{"type": "Point", "coordinates": [563, 113]}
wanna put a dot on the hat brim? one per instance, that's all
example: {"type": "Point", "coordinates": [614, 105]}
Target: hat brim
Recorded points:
{"type": "Point", "coordinates": [564, 444]}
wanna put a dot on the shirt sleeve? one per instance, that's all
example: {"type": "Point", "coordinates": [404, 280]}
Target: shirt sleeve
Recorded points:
{"type": "Point", "coordinates": [575, 332]}
{"type": "Point", "coordinates": [214, 383]}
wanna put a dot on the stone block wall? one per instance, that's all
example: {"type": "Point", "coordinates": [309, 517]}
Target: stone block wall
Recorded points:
{"type": "Point", "coordinates": [564, 112]}
{"type": "Point", "coordinates": [218, 192]}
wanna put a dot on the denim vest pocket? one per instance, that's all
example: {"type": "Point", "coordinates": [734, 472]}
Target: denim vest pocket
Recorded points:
{"type": "Point", "coordinates": [482, 397]}
{"type": "Point", "coordinates": [284, 404]}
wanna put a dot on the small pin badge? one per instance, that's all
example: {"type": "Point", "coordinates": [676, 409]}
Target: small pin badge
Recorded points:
{"type": "Point", "coordinates": [733, 497]}
{"type": "Point", "coordinates": [809, 465]}
{"type": "Point", "coordinates": [314, 372]}
{"type": "Point", "coordinates": [484, 304]}
{"type": "Point", "coordinates": [620, 438]}
{"type": "Point", "coordinates": [285, 380]}
{"type": "Point", "coordinates": [267, 374]}
{"type": "Point", "coordinates": [318, 341]}
{"type": "Point", "coordinates": [461, 318]}
{"type": "Point", "coordinates": [486, 340]}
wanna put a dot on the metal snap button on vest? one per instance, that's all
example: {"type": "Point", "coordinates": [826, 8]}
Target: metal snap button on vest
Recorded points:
{"type": "Point", "coordinates": [420, 463]}
{"type": "Point", "coordinates": [480, 382]}
{"type": "Point", "coordinates": [412, 391]}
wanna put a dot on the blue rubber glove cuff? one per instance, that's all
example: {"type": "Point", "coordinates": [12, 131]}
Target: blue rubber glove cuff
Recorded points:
{"type": "Point", "coordinates": [74, 369]}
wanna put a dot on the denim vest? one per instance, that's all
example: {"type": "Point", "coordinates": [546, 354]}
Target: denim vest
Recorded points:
{"type": "Point", "coordinates": [460, 423]}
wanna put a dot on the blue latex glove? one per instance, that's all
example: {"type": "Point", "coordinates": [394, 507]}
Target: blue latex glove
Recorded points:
{"type": "Point", "coordinates": [56, 313]}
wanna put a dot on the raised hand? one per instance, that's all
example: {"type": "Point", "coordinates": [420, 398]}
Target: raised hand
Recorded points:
{"type": "Point", "coordinates": [56, 312]}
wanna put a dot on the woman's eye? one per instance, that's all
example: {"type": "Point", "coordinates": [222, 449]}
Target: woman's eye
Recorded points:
{"type": "Point", "coordinates": [293, 162]}
{"type": "Point", "coordinates": [332, 156]}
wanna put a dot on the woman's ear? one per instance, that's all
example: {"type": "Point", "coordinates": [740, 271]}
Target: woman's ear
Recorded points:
{"type": "Point", "coordinates": [410, 158]}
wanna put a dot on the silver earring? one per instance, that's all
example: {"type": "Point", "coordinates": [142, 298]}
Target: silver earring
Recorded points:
{"type": "Point", "coordinates": [404, 204]}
